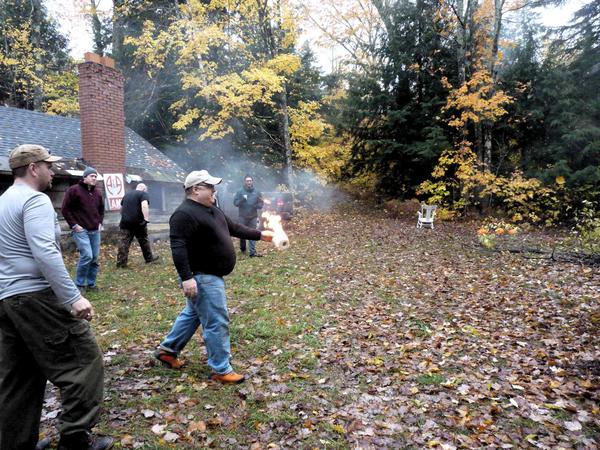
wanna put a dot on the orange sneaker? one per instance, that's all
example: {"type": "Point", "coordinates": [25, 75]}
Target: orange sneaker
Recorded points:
{"type": "Point", "coordinates": [168, 359]}
{"type": "Point", "coordinates": [228, 378]}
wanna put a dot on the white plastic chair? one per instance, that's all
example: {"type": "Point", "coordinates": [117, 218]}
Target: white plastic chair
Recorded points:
{"type": "Point", "coordinates": [426, 216]}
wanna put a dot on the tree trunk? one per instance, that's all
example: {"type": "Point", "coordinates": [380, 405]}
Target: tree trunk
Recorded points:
{"type": "Point", "coordinates": [478, 130]}
{"type": "Point", "coordinates": [284, 126]}
{"type": "Point", "coordinates": [117, 34]}
{"type": "Point", "coordinates": [463, 15]}
{"type": "Point", "coordinates": [272, 48]}
{"type": "Point", "coordinates": [487, 126]}
{"type": "Point", "coordinates": [35, 94]}
{"type": "Point", "coordinates": [99, 45]}
{"type": "Point", "coordinates": [419, 56]}
{"type": "Point", "coordinates": [487, 146]}
{"type": "Point", "coordinates": [498, 5]}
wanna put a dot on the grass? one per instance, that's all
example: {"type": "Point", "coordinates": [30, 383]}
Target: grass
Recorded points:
{"type": "Point", "coordinates": [273, 310]}
{"type": "Point", "coordinates": [432, 379]}
{"type": "Point", "coordinates": [350, 340]}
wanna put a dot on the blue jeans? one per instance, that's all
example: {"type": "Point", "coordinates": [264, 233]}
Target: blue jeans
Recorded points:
{"type": "Point", "coordinates": [88, 244]}
{"type": "Point", "coordinates": [251, 223]}
{"type": "Point", "coordinates": [209, 309]}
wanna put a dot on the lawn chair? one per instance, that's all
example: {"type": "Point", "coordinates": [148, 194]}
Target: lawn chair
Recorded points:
{"type": "Point", "coordinates": [426, 216]}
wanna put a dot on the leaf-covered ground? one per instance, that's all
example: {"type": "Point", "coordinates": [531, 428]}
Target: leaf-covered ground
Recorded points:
{"type": "Point", "coordinates": [366, 333]}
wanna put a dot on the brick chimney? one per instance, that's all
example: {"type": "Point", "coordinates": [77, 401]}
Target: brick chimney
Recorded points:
{"type": "Point", "coordinates": [101, 104]}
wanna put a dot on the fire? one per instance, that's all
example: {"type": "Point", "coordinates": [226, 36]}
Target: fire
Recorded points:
{"type": "Point", "coordinates": [273, 222]}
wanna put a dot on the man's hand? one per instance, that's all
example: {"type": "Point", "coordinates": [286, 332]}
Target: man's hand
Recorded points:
{"type": "Point", "coordinates": [82, 309]}
{"type": "Point", "coordinates": [190, 288]}
{"type": "Point", "coordinates": [77, 228]}
{"type": "Point", "coordinates": [266, 235]}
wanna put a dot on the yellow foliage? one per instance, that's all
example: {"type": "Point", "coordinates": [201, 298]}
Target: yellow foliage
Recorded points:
{"type": "Point", "coordinates": [198, 29]}
{"type": "Point", "coordinates": [312, 144]}
{"type": "Point", "coordinates": [457, 182]}
{"type": "Point", "coordinates": [285, 64]}
{"type": "Point", "coordinates": [235, 95]}
{"type": "Point", "coordinates": [476, 100]}
{"type": "Point", "coordinates": [306, 127]}
{"type": "Point", "coordinates": [19, 56]}
{"type": "Point", "coordinates": [185, 119]}
{"type": "Point", "coordinates": [61, 92]}
{"type": "Point", "coordinates": [151, 48]}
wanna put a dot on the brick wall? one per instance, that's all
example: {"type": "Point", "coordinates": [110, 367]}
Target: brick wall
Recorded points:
{"type": "Point", "coordinates": [101, 102]}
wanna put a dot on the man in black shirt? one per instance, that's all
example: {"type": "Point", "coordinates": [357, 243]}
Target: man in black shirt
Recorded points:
{"type": "Point", "coordinates": [203, 254]}
{"type": "Point", "coordinates": [135, 216]}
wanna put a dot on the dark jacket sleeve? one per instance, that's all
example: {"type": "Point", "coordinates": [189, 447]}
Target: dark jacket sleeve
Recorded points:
{"type": "Point", "coordinates": [101, 208]}
{"type": "Point", "coordinates": [241, 231]}
{"type": "Point", "coordinates": [180, 228]}
{"type": "Point", "coordinates": [66, 206]}
{"type": "Point", "coordinates": [259, 201]}
{"type": "Point", "coordinates": [238, 199]}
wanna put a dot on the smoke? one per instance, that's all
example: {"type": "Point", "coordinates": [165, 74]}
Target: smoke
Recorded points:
{"type": "Point", "coordinates": [314, 192]}
{"type": "Point", "coordinates": [223, 158]}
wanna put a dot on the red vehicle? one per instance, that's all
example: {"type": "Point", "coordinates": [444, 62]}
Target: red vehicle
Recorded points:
{"type": "Point", "coordinates": [281, 203]}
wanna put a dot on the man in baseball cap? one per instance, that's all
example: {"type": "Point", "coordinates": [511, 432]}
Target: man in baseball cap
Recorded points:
{"type": "Point", "coordinates": [25, 154]}
{"type": "Point", "coordinates": [44, 330]}
{"type": "Point", "coordinates": [200, 176]}
{"type": "Point", "coordinates": [203, 253]}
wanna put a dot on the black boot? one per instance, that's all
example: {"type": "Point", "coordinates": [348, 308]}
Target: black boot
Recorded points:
{"type": "Point", "coordinates": [85, 441]}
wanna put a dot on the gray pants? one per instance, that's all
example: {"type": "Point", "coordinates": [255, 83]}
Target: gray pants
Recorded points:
{"type": "Point", "coordinates": [251, 223]}
{"type": "Point", "coordinates": [40, 340]}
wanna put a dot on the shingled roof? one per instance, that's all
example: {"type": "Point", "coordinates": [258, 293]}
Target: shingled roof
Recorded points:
{"type": "Point", "coordinates": [62, 135]}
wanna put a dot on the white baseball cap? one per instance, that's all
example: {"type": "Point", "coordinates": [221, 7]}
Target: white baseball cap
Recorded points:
{"type": "Point", "coordinates": [200, 176]}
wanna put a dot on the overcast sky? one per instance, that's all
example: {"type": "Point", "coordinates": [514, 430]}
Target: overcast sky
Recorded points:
{"type": "Point", "coordinates": [73, 24]}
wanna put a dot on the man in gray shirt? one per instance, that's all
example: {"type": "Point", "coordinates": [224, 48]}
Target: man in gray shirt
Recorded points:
{"type": "Point", "coordinates": [44, 330]}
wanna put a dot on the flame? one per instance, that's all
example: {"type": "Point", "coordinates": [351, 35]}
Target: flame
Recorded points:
{"type": "Point", "coordinates": [273, 222]}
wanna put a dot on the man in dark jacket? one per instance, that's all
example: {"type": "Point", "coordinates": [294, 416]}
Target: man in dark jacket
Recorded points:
{"type": "Point", "coordinates": [83, 209]}
{"type": "Point", "coordinates": [249, 201]}
{"type": "Point", "coordinates": [203, 254]}
{"type": "Point", "coordinates": [135, 217]}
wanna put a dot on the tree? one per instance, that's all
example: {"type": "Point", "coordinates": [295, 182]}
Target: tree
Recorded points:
{"type": "Point", "coordinates": [354, 26]}
{"type": "Point", "coordinates": [568, 89]}
{"type": "Point", "coordinates": [392, 108]}
{"type": "Point", "coordinates": [101, 26]}
{"type": "Point", "coordinates": [234, 61]}
{"type": "Point", "coordinates": [32, 53]}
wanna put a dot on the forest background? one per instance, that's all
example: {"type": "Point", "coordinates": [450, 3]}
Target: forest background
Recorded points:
{"type": "Point", "coordinates": [468, 104]}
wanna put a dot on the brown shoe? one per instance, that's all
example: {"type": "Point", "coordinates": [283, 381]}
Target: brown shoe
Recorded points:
{"type": "Point", "coordinates": [168, 359]}
{"type": "Point", "coordinates": [228, 378]}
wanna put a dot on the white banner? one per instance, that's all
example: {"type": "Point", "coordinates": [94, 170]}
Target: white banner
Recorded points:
{"type": "Point", "coordinates": [115, 190]}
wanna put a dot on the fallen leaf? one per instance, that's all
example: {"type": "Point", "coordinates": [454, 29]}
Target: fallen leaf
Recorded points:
{"type": "Point", "coordinates": [200, 426]}
{"type": "Point", "coordinates": [573, 426]}
{"type": "Point", "coordinates": [158, 429]}
{"type": "Point", "coordinates": [127, 441]}
{"type": "Point", "coordinates": [170, 437]}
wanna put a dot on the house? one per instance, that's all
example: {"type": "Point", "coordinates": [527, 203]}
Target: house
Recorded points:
{"type": "Point", "coordinates": [99, 139]}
